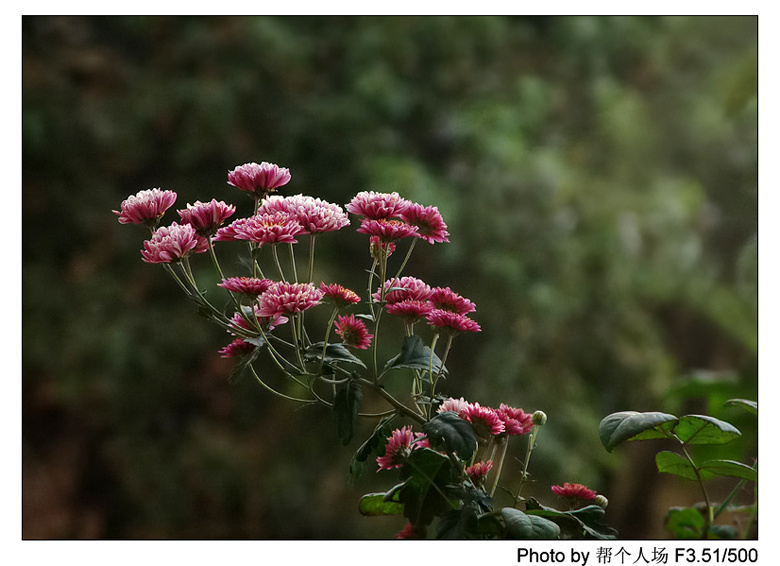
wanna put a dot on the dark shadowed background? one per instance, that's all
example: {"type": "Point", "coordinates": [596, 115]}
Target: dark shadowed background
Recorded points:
{"type": "Point", "coordinates": [598, 176]}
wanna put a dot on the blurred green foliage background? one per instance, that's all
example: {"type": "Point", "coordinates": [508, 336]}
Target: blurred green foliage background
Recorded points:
{"type": "Point", "coordinates": [598, 176]}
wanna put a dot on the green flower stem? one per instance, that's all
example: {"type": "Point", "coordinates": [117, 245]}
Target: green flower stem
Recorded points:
{"type": "Point", "coordinates": [327, 337]}
{"type": "Point", "coordinates": [275, 392]}
{"type": "Point", "coordinates": [430, 372]}
{"type": "Point", "coordinates": [310, 273]}
{"type": "Point", "coordinates": [400, 407]}
{"type": "Point", "coordinates": [213, 255]}
{"type": "Point", "coordinates": [443, 361]}
{"type": "Point", "coordinates": [378, 315]}
{"type": "Point", "coordinates": [505, 441]}
{"type": "Point", "coordinates": [276, 260]}
{"type": "Point", "coordinates": [403, 263]}
{"type": "Point", "coordinates": [524, 476]}
{"type": "Point", "coordinates": [709, 518]}
{"type": "Point", "coordinates": [186, 270]}
{"type": "Point", "coordinates": [292, 261]}
{"type": "Point", "coordinates": [371, 273]}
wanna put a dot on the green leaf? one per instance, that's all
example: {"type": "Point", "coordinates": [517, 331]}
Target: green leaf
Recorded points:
{"type": "Point", "coordinates": [749, 406]}
{"type": "Point", "coordinates": [685, 523]}
{"type": "Point", "coordinates": [334, 353]}
{"type": "Point", "coordinates": [725, 532]}
{"type": "Point", "coordinates": [247, 359]}
{"type": "Point", "coordinates": [630, 425]}
{"type": "Point", "coordinates": [453, 434]}
{"type": "Point", "coordinates": [702, 429]}
{"type": "Point", "coordinates": [346, 406]}
{"type": "Point", "coordinates": [374, 446]}
{"type": "Point", "coordinates": [528, 527]}
{"type": "Point", "coordinates": [415, 355]}
{"type": "Point", "coordinates": [673, 463]}
{"type": "Point", "coordinates": [730, 468]}
{"type": "Point", "coordinates": [375, 504]}
{"type": "Point", "coordinates": [585, 523]}
{"type": "Point", "coordinates": [426, 474]}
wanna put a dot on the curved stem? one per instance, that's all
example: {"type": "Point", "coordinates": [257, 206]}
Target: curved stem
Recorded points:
{"type": "Point", "coordinates": [275, 392]}
{"type": "Point", "coordinates": [709, 518]}
{"type": "Point", "coordinates": [524, 475]}
{"type": "Point", "coordinates": [276, 260]}
{"type": "Point", "coordinates": [292, 261]}
{"type": "Point", "coordinates": [310, 273]}
{"type": "Point", "coordinates": [500, 466]}
{"type": "Point", "coordinates": [400, 407]}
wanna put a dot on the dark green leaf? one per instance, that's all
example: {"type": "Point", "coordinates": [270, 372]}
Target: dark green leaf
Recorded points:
{"type": "Point", "coordinates": [685, 523]}
{"type": "Point", "coordinates": [630, 425]}
{"type": "Point", "coordinates": [374, 446]}
{"type": "Point", "coordinates": [585, 523]}
{"type": "Point", "coordinates": [750, 406]}
{"type": "Point", "coordinates": [426, 475]}
{"type": "Point", "coordinates": [701, 429]}
{"type": "Point", "coordinates": [673, 463]}
{"type": "Point", "coordinates": [415, 355]}
{"type": "Point", "coordinates": [334, 353]}
{"type": "Point", "coordinates": [451, 433]}
{"type": "Point", "coordinates": [730, 468]}
{"type": "Point", "coordinates": [346, 406]}
{"type": "Point", "coordinates": [723, 532]}
{"type": "Point", "coordinates": [528, 527]}
{"type": "Point", "coordinates": [246, 360]}
{"type": "Point", "coordinates": [375, 504]}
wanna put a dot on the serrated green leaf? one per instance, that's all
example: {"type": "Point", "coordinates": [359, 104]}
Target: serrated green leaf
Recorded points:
{"type": "Point", "coordinates": [520, 526]}
{"type": "Point", "coordinates": [451, 433]}
{"type": "Point", "coordinates": [373, 446]}
{"type": "Point", "coordinates": [685, 523]}
{"type": "Point", "coordinates": [703, 429]}
{"type": "Point", "coordinates": [375, 504]}
{"type": "Point", "coordinates": [673, 463]}
{"type": "Point", "coordinates": [426, 474]}
{"type": "Point", "coordinates": [631, 425]}
{"type": "Point", "coordinates": [346, 406]}
{"type": "Point", "coordinates": [585, 523]}
{"type": "Point", "coordinates": [414, 355]}
{"type": "Point", "coordinates": [334, 353]}
{"type": "Point", "coordinates": [730, 468]}
{"type": "Point", "coordinates": [749, 406]}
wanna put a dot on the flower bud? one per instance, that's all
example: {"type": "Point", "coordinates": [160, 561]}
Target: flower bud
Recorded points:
{"type": "Point", "coordinates": [539, 418]}
{"type": "Point", "coordinates": [601, 501]}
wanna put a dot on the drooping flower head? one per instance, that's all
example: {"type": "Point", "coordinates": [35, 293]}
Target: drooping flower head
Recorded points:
{"type": "Point", "coordinates": [341, 296]}
{"type": "Point", "coordinates": [516, 421]}
{"type": "Point", "coordinates": [247, 321]}
{"type": "Point", "coordinates": [270, 228]}
{"type": "Point", "coordinates": [170, 243]}
{"type": "Point", "coordinates": [479, 471]}
{"type": "Point", "coordinates": [446, 299]}
{"type": "Point", "coordinates": [574, 493]}
{"type": "Point", "coordinates": [451, 322]}
{"type": "Point", "coordinates": [410, 310]}
{"type": "Point", "coordinates": [430, 225]}
{"type": "Point", "coordinates": [454, 405]}
{"type": "Point", "coordinates": [258, 180]}
{"type": "Point", "coordinates": [353, 332]}
{"type": "Point", "coordinates": [403, 289]}
{"type": "Point", "coordinates": [146, 207]}
{"type": "Point", "coordinates": [206, 217]}
{"type": "Point", "coordinates": [399, 445]}
{"type": "Point", "coordinates": [387, 230]}
{"type": "Point", "coordinates": [485, 420]}
{"type": "Point", "coordinates": [251, 286]}
{"type": "Point", "coordinates": [236, 348]}
{"type": "Point", "coordinates": [285, 298]}
{"type": "Point", "coordinates": [314, 214]}
{"type": "Point", "coordinates": [374, 205]}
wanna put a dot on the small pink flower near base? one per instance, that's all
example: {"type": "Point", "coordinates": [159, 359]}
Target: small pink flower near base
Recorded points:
{"type": "Point", "coordinates": [206, 217]}
{"type": "Point", "coordinates": [410, 310]}
{"type": "Point", "coordinates": [258, 180]}
{"type": "Point", "coordinates": [399, 446]}
{"type": "Point", "coordinates": [485, 420]}
{"type": "Point", "coordinates": [574, 492]}
{"type": "Point", "coordinates": [479, 471]}
{"type": "Point", "coordinates": [516, 421]}
{"type": "Point", "coordinates": [251, 286]}
{"type": "Point", "coordinates": [451, 321]}
{"type": "Point", "coordinates": [428, 221]}
{"type": "Point", "coordinates": [288, 298]}
{"type": "Point", "coordinates": [146, 207]}
{"type": "Point", "coordinates": [236, 348]}
{"type": "Point", "coordinates": [454, 405]}
{"type": "Point", "coordinates": [171, 243]}
{"type": "Point", "coordinates": [410, 532]}
{"type": "Point", "coordinates": [339, 295]}
{"type": "Point", "coordinates": [353, 332]}
{"type": "Point", "coordinates": [446, 299]}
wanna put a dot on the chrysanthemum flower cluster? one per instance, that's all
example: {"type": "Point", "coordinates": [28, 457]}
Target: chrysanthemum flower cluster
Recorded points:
{"type": "Point", "coordinates": [269, 303]}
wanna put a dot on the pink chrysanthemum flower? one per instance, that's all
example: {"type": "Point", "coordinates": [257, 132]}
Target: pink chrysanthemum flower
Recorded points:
{"type": "Point", "coordinates": [252, 286]}
{"type": "Point", "coordinates": [410, 532]}
{"type": "Point", "coordinates": [399, 445]}
{"type": "Point", "coordinates": [374, 205]}
{"type": "Point", "coordinates": [272, 228]}
{"type": "Point", "coordinates": [170, 243]}
{"type": "Point", "coordinates": [516, 421]}
{"type": "Point", "coordinates": [239, 322]}
{"type": "Point", "coordinates": [259, 180]}
{"type": "Point", "coordinates": [146, 207]}
{"type": "Point", "coordinates": [574, 492]}
{"type": "Point", "coordinates": [451, 321]}
{"type": "Point", "coordinates": [454, 405]}
{"type": "Point", "coordinates": [421, 440]}
{"type": "Point", "coordinates": [314, 214]}
{"type": "Point", "coordinates": [206, 217]}
{"type": "Point", "coordinates": [230, 233]}
{"type": "Point", "coordinates": [430, 225]}
{"type": "Point", "coordinates": [446, 299]}
{"type": "Point", "coordinates": [386, 230]}
{"type": "Point", "coordinates": [404, 289]}
{"type": "Point", "coordinates": [284, 298]}
{"type": "Point", "coordinates": [341, 296]}
{"type": "Point", "coordinates": [353, 332]}
{"type": "Point", "coordinates": [236, 348]}
{"type": "Point", "coordinates": [410, 310]}
{"type": "Point", "coordinates": [485, 420]}
{"type": "Point", "coordinates": [479, 471]}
